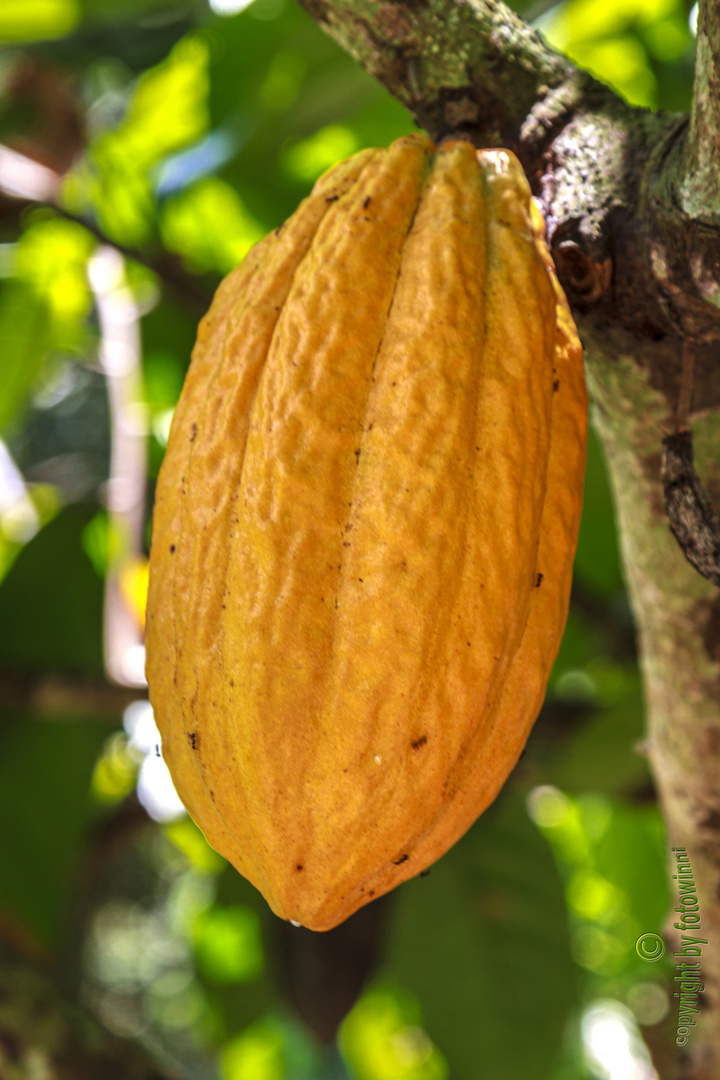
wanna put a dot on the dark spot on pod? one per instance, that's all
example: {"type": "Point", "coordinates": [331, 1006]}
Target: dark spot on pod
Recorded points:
{"type": "Point", "coordinates": [366, 203]}
{"type": "Point", "coordinates": [402, 859]}
{"type": "Point", "coordinates": [371, 893]}
{"type": "Point", "coordinates": [538, 581]}
{"type": "Point", "coordinates": [194, 432]}
{"type": "Point", "coordinates": [172, 549]}
{"type": "Point", "coordinates": [299, 866]}
{"type": "Point", "coordinates": [417, 744]}
{"type": "Point", "coordinates": [193, 739]}
{"type": "Point", "coordinates": [556, 384]}
{"type": "Point", "coordinates": [357, 456]}
{"type": "Point", "coordinates": [331, 198]}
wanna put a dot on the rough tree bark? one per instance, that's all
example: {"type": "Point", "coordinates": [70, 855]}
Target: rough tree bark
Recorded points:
{"type": "Point", "coordinates": [632, 201]}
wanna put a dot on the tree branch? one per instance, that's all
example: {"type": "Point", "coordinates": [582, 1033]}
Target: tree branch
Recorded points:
{"type": "Point", "coordinates": [607, 175]}
{"type": "Point", "coordinates": [25, 181]}
{"type": "Point", "coordinates": [701, 181]}
{"type": "Point", "coordinates": [472, 67]}
{"type": "Point", "coordinates": [47, 696]}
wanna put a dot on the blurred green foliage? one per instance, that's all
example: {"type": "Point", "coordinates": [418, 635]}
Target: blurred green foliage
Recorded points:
{"type": "Point", "coordinates": [182, 135]}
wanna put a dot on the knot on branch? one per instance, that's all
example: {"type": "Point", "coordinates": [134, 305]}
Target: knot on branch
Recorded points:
{"type": "Point", "coordinates": [583, 264]}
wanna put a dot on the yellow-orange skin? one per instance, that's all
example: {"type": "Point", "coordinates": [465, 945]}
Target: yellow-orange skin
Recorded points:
{"type": "Point", "coordinates": [379, 449]}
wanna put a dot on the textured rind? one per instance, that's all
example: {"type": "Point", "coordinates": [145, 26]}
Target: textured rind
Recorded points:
{"type": "Point", "coordinates": [379, 448]}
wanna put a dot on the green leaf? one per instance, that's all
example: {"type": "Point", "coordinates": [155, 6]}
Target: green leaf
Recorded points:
{"type": "Point", "coordinates": [23, 341]}
{"type": "Point", "coordinates": [43, 307]}
{"type": "Point", "coordinates": [601, 754]}
{"type": "Point", "coordinates": [483, 942]}
{"type": "Point", "coordinates": [51, 601]}
{"type": "Point", "coordinates": [632, 855]}
{"type": "Point", "coordinates": [239, 1003]}
{"type": "Point", "coordinates": [45, 772]}
{"type": "Point", "coordinates": [208, 224]}
{"type": "Point", "coordinates": [597, 561]}
{"type": "Point", "coordinates": [23, 21]}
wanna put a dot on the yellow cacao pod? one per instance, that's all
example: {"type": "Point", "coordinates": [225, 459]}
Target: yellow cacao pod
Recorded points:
{"type": "Point", "coordinates": [365, 526]}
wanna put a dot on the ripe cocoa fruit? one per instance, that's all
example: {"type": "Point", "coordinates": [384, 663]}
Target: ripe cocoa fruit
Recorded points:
{"type": "Point", "coordinates": [365, 526]}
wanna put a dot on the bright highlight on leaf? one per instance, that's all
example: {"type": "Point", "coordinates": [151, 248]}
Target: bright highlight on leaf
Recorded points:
{"type": "Point", "coordinates": [167, 112]}
{"type": "Point", "coordinates": [621, 41]}
{"type": "Point", "coordinates": [30, 20]}
{"type": "Point", "coordinates": [257, 1054]}
{"type": "Point", "coordinates": [116, 770]}
{"type": "Point", "coordinates": [186, 837]}
{"type": "Point", "coordinates": [382, 1039]}
{"type": "Point", "coordinates": [209, 226]}
{"type": "Point", "coordinates": [228, 944]}
{"type": "Point", "coordinates": [307, 159]}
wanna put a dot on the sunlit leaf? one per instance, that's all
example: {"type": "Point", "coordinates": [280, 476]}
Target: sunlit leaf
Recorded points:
{"type": "Point", "coordinates": [103, 542]}
{"type": "Point", "coordinates": [209, 226]}
{"type": "Point", "coordinates": [115, 771]}
{"type": "Point", "coordinates": [615, 39]}
{"type": "Point", "coordinates": [29, 20]}
{"type": "Point", "coordinates": [42, 306]}
{"type": "Point", "coordinates": [382, 1038]}
{"type": "Point", "coordinates": [228, 944]}
{"type": "Point", "coordinates": [623, 63]}
{"type": "Point", "coordinates": [307, 159]}
{"type": "Point", "coordinates": [186, 836]}
{"type": "Point", "coordinates": [52, 257]}
{"type": "Point", "coordinates": [254, 1055]}
{"type": "Point", "coordinates": [167, 111]}
{"type": "Point", "coordinates": [24, 339]}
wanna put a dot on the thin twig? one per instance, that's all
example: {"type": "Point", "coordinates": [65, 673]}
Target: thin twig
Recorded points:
{"type": "Point", "coordinates": [51, 697]}
{"type": "Point", "coordinates": [167, 268]}
{"type": "Point", "coordinates": [26, 182]}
